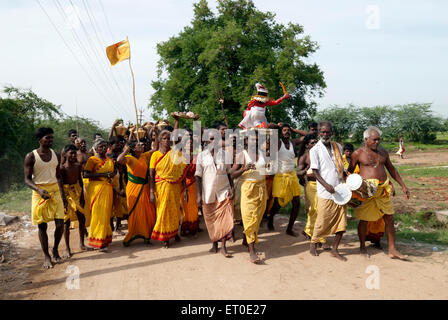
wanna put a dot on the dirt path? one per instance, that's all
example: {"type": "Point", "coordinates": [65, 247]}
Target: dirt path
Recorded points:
{"type": "Point", "coordinates": [189, 271]}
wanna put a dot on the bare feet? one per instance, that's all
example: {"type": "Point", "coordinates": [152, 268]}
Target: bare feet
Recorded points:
{"type": "Point", "coordinates": [291, 233]}
{"type": "Point", "coordinates": [166, 244]}
{"type": "Point", "coordinates": [225, 253]}
{"type": "Point", "coordinates": [84, 248]}
{"type": "Point", "coordinates": [394, 254]}
{"type": "Point", "coordinates": [214, 249]}
{"type": "Point", "coordinates": [254, 258]}
{"type": "Point", "coordinates": [313, 250]}
{"type": "Point", "coordinates": [67, 254]}
{"type": "Point", "coordinates": [307, 237]}
{"type": "Point", "coordinates": [56, 257]}
{"type": "Point", "coordinates": [47, 263]}
{"type": "Point", "coordinates": [336, 254]}
{"type": "Point", "coordinates": [103, 250]}
{"type": "Point", "coordinates": [364, 252]}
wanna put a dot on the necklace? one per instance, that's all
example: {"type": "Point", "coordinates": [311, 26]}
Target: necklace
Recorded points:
{"type": "Point", "coordinates": [372, 162]}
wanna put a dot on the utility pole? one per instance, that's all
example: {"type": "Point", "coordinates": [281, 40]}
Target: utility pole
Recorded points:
{"type": "Point", "coordinates": [140, 116]}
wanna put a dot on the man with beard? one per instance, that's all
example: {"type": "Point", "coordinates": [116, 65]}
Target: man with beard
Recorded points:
{"type": "Point", "coordinates": [328, 168]}
{"type": "Point", "coordinates": [286, 186]}
{"type": "Point", "coordinates": [43, 176]}
{"type": "Point", "coordinates": [372, 161]}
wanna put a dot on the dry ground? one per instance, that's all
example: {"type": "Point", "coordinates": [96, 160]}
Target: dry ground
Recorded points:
{"type": "Point", "coordinates": [188, 271]}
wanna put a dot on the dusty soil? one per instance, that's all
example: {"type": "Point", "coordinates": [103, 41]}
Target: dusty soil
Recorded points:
{"type": "Point", "coordinates": [188, 271]}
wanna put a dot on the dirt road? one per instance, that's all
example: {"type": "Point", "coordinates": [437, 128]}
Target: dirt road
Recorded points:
{"type": "Point", "coordinates": [188, 271]}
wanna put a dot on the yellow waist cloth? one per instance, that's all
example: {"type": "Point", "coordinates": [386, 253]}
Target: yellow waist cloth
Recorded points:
{"type": "Point", "coordinates": [253, 204]}
{"type": "Point", "coordinates": [380, 204]}
{"type": "Point", "coordinates": [311, 207]}
{"type": "Point", "coordinates": [73, 195]}
{"type": "Point", "coordinates": [44, 211]}
{"type": "Point", "coordinates": [285, 187]}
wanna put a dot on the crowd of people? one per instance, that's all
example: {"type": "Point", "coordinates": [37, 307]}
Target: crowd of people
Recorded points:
{"type": "Point", "coordinates": [162, 182]}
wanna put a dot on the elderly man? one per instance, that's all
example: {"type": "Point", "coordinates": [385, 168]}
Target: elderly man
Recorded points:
{"type": "Point", "coordinates": [328, 168]}
{"type": "Point", "coordinates": [372, 161]}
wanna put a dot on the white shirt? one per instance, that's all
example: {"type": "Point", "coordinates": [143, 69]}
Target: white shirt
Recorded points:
{"type": "Point", "coordinates": [321, 160]}
{"type": "Point", "coordinates": [215, 182]}
{"type": "Point", "coordinates": [286, 158]}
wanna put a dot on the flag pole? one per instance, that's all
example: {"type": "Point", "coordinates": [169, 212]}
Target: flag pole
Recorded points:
{"type": "Point", "coordinates": [133, 91]}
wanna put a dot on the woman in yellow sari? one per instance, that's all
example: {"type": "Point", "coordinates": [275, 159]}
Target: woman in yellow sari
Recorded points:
{"type": "Point", "coordinates": [166, 177]}
{"type": "Point", "coordinates": [142, 215]}
{"type": "Point", "coordinates": [99, 170]}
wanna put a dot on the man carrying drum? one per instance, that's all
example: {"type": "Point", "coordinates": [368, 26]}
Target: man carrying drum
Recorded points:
{"type": "Point", "coordinates": [372, 161]}
{"type": "Point", "coordinates": [328, 168]}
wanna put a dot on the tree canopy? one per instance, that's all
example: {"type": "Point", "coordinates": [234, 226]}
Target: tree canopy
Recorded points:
{"type": "Point", "coordinates": [230, 51]}
{"type": "Point", "coordinates": [416, 121]}
{"type": "Point", "coordinates": [21, 113]}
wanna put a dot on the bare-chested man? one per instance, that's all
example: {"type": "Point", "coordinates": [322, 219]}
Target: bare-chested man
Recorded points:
{"type": "Point", "coordinates": [43, 176]}
{"type": "Point", "coordinates": [73, 188]}
{"type": "Point", "coordinates": [372, 161]}
{"type": "Point", "coordinates": [81, 154]}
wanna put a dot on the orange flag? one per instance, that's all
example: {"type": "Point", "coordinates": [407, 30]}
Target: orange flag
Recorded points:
{"type": "Point", "coordinates": [118, 52]}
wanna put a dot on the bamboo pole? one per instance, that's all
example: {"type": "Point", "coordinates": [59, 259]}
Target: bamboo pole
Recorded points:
{"type": "Point", "coordinates": [133, 92]}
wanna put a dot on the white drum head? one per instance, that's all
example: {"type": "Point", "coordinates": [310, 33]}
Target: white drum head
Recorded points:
{"type": "Point", "coordinates": [343, 194]}
{"type": "Point", "coordinates": [354, 181]}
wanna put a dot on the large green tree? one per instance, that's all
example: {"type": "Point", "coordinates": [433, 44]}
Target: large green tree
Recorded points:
{"type": "Point", "coordinates": [230, 51]}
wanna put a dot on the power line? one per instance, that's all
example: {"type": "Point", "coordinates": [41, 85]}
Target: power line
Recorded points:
{"type": "Point", "coordinates": [82, 48]}
{"type": "Point", "coordinates": [78, 40]}
{"type": "Point", "coordinates": [113, 40]}
{"type": "Point", "coordinates": [101, 42]}
{"type": "Point", "coordinates": [74, 55]}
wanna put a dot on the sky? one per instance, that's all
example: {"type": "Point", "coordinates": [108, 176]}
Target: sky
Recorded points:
{"type": "Point", "coordinates": [371, 52]}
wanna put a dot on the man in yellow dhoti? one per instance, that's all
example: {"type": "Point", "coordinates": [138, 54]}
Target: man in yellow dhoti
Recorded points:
{"type": "Point", "coordinates": [73, 188]}
{"type": "Point", "coordinates": [43, 176]}
{"type": "Point", "coordinates": [166, 176]}
{"type": "Point", "coordinates": [251, 166]}
{"type": "Point", "coordinates": [372, 161]}
{"type": "Point", "coordinates": [306, 173]}
{"type": "Point", "coordinates": [100, 171]}
{"type": "Point", "coordinates": [286, 187]}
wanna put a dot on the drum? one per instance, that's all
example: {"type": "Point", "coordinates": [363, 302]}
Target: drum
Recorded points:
{"type": "Point", "coordinates": [362, 189]}
{"type": "Point", "coordinates": [343, 194]}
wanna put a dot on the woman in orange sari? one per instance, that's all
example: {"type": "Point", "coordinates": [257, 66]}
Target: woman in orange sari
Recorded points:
{"type": "Point", "coordinates": [100, 171]}
{"type": "Point", "coordinates": [166, 177]}
{"type": "Point", "coordinates": [142, 215]}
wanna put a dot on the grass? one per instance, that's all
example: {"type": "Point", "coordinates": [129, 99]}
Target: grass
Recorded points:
{"type": "Point", "coordinates": [416, 227]}
{"type": "Point", "coordinates": [18, 199]}
{"type": "Point", "coordinates": [418, 172]}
